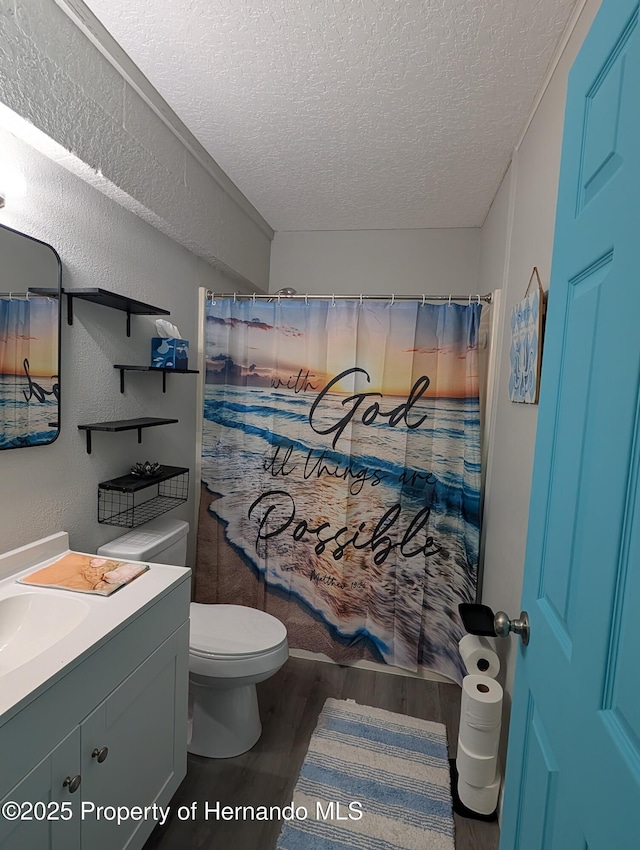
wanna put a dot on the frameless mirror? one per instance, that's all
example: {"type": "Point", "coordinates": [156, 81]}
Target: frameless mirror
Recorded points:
{"type": "Point", "coordinates": [30, 289]}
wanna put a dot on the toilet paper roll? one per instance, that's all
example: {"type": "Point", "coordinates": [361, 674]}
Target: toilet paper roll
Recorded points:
{"type": "Point", "coordinates": [479, 656]}
{"type": "Point", "coordinates": [479, 742]}
{"type": "Point", "coordinates": [481, 703]}
{"type": "Point", "coordinates": [474, 769]}
{"type": "Point", "coordinates": [480, 800]}
{"type": "Point", "coordinates": [480, 715]}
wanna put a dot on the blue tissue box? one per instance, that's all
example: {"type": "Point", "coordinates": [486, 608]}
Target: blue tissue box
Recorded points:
{"type": "Point", "coordinates": [169, 353]}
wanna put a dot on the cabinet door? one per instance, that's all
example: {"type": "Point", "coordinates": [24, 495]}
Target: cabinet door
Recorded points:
{"type": "Point", "coordinates": [49, 813]}
{"type": "Point", "coordinates": [143, 725]}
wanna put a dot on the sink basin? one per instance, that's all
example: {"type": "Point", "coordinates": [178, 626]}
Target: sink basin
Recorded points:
{"type": "Point", "coordinates": [31, 622]}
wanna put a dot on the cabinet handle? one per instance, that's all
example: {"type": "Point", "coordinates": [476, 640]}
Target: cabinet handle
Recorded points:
{"type": "Point", "coordinates": [72, 783]}
{"type": "Point", "coordinates": [100, 754]}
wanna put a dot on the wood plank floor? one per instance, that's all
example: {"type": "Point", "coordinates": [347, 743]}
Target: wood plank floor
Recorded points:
{"type": "Point", "coordinates": [290, 703]}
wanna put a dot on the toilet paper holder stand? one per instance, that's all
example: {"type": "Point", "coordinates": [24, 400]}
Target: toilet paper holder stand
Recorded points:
{"type": "Point", "coordinates": [480, 620]}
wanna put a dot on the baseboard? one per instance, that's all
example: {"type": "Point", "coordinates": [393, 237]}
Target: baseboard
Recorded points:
{"type": "Point", "coordinates": [372, 665]}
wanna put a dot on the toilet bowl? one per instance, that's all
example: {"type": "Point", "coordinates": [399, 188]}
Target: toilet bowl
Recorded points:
{"type": "Point", "coordinates": [231, 649]}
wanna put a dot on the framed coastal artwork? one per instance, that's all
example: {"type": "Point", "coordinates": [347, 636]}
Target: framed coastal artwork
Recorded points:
{"type": "Point", "coordinates": [525, 352]}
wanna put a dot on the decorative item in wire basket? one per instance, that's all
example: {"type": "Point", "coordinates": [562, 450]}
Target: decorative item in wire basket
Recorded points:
{"type": "Point", "coordinates": [146, 469]}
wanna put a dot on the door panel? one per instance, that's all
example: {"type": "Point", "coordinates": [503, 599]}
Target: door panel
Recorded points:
{"type": "Point", "coordinates": [143, 724]}
{"type": "Point", "coordinates": [563, 507]}
{"type": "Point", "coordinates": [600, 156]}
{"type": "Point", "coordinates": [620, 693]}
{"type": "Point", "coordinates": [573, 773]}
{"type": "Point", "coordinates": [43, 787]}
{"type": "Point", "coordinates": [541, 779]}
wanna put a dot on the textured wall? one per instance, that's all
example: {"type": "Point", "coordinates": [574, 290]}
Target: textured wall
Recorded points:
{"type": "Point", "coordinates": [52, 488]}
{"type": "Point", "coordinates": [377, 262]}
{"type": "Point", "coordinates": [52, 75]}
{"type": "Point", "coordinates": [95, 124]}
{"type": "Point", "coordinates": [527, 197]}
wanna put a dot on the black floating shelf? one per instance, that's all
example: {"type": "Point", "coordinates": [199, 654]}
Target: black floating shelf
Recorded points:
{"type": "Point", "coordinates": [121, 501]}
{"type": "Point", "coordinates": [114, 300]}
{"type": "Point", "coordinates": [123, 425]}
{"type": "Point", "coordinates": [50, 292]}
{"type": "Point", "coordinates": [133, 483]}
{"type": "Point", "coordinates": [124, 369]}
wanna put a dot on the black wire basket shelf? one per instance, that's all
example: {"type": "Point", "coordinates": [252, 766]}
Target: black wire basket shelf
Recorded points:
{"type": "Point", "coordinates": [130, 500]}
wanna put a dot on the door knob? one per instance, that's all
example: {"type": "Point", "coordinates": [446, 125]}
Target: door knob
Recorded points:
{"type": "Point", "coordinates": [503, 626]}
{"type": "Point", "coordinates": [72, 783]}
{"type": "Point", "coordinates": [480, 620]}
{"type": "Point", "coordinates": [100, 754]}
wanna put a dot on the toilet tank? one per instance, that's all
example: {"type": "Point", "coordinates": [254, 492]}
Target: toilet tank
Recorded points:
{"type": "Point", "coordinates": [163, 541]}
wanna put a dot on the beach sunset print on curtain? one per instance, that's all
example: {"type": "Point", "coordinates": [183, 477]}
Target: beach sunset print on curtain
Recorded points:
{"type": "Point", "coordinates": [28, 371]}
{"type": "Point", "coordinates": [341, 456]}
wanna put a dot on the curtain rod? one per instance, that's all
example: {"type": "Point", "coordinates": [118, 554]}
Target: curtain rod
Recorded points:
{"type": "Point", "coordinates": [16, 295]}
{"type": "Point", "coordinates": [282, 296]}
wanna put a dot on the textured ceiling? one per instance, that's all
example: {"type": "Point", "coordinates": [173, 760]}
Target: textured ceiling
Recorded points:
{"type": "Point", "coordinates": [349, 114]}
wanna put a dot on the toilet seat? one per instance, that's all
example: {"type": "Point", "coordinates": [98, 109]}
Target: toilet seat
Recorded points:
{"type": "Point", "coordinates": [233, 632]}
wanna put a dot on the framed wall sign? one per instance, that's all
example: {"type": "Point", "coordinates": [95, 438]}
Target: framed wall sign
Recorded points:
{"type": "Point", "coordinates": [525, 353]}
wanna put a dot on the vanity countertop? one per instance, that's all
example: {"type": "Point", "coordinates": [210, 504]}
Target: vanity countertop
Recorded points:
{"type": "Point", "coordinates": [105, 617]}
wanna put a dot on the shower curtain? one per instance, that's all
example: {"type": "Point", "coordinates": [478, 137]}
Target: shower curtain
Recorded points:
{"type": "Point", "coordinates": [341, 473]}
{"type": "Point", "coordinates": [28, 360]}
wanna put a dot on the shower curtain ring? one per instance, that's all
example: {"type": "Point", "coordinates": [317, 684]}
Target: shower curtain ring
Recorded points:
{"type": "Point", "coordinates": [469, 301]}
{"type": "Point", "coordinates": [234, 298]}
{"type": "Point", "coordinates": [393, 298]}
{"type": "Point", "coordinates": [306, 299]}
{"type": "Point", "coordinates": [361, 299]}
{"type": "Point", "coordinates": [423, 298]}
{"type": "Point", "coordinates": [278, 299]}
{"type": "Point", "coordinates": [449, 299]}
{"type": "Point", "coordinates": [333, 299]}
{"type": "Point", "coordinates": [478, 297]}
{"type": "Point", "coordinates": [10, 296]}
{"type": "Point", "coordinates": [254, 299]}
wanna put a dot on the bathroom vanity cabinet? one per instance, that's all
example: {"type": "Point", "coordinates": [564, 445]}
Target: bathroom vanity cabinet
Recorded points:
{"type": "Point", "coordinates": [109, 732]}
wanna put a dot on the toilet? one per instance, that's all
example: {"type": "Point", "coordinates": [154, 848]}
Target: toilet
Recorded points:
{"type": "Point", "coordinates": [231, 649]}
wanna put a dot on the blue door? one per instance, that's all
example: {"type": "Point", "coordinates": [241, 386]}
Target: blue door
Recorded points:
{"type": "Point", "coordinates": [573, 769]}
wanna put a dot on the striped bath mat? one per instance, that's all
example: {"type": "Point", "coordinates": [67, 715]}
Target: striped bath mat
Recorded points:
{"type": "Point", "coordinates": [371, 780]}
